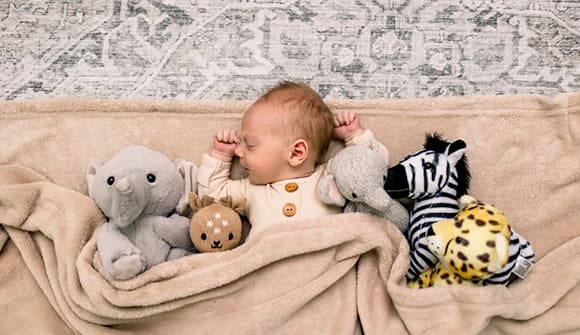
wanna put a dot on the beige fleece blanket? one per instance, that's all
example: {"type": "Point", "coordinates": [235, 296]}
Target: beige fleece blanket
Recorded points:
{"type": "Point", "coordinates": [340, 274]}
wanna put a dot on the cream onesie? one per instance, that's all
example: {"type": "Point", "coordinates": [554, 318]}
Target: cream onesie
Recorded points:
{"type": "Point", "coordinates": [269, 204]}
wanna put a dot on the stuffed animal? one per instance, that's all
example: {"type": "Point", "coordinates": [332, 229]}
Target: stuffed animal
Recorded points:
{"type": "Point", "coordinates": [355, 177]}
{"type": "Point", "coordinates": [215, 225]}
{"type": "Point", "coordinates": [138, 191]}
{"type": "Point", "coordinates": [472, 247]}
{"type": "Point", "coordinates": [434, 178]}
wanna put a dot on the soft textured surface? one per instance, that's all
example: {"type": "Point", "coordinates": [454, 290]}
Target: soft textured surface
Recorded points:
{"type": "Point", "coordinates": [316, 276]}
{"type": "Point", "coordinates": [208, 49]}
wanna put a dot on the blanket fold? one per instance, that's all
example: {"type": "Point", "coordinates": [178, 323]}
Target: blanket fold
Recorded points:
{"type": "Point", "coordinates": [267, 286]}
{"type": "Point", "coordinates": [347, 267]}
{"type": "Point", "coordinates": [342, 274]}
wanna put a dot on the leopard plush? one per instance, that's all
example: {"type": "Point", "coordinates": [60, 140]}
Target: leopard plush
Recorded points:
{"type": "Point", "coordinates": [470, 247]}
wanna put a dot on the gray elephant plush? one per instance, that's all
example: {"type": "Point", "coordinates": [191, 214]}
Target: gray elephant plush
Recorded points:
{"type": "Point", "coordinates": [139, 190]}
{"type": "Point", "coordinates": [355, 177]}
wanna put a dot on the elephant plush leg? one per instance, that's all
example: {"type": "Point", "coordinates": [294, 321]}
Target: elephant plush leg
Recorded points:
{"type": "Point", "coordinates": [128, 266]}
{"type": "Point", "coordinates": [120, 257]}
{"type": "Point", "coordinates": [175, 231]}
{"type": "Point", "coordinates": [175, 253]}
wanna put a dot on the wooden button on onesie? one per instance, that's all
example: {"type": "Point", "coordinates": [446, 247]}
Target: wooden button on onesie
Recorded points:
{"type": "Point", "coordinates": [289, 209]}
{"type": "Point", "coordinates": [291, 187]}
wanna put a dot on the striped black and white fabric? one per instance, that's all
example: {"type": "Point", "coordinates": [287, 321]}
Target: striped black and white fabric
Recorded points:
{"type": "Point", "coordinates": [433, 183]}
{"type": "Point", "coordinates": [521, 256]}
{"type": "Point", "coordinates": [428, 210]}
{"type": "Point", "coordinates": [435, 177]}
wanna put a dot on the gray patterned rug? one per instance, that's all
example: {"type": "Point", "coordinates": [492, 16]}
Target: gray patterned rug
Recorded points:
{"type": "Point", "coordinates": [216, 49]}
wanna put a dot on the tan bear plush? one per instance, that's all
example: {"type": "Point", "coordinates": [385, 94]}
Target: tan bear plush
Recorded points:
{"type": "Point", "coordinates": [215, 225]}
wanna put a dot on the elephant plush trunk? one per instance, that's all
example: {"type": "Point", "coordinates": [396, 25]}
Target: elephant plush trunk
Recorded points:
{"type": "Point", "coordinates": [389, 208]}
{"type": "Point", "coordinates": [128, 200]}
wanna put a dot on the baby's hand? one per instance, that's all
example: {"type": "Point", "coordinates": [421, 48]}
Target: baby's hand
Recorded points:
{"type": "Point", "coordinates": [346, 125]}
{"type": "Point", "coordinates": [224, 143]}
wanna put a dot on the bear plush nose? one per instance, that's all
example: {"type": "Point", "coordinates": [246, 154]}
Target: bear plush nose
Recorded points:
{"type": "Point", "coordinates": [216, 244]}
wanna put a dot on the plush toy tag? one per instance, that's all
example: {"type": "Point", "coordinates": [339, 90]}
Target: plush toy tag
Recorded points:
{"type": "Point", "coordinates": [522, 267]}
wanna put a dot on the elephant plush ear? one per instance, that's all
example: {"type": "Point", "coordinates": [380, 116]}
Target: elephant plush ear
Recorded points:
{"type": "Point", "coordinates": [328, 191]}
{"type": "Point", "coordinates": [381, 150]}
{"type": "Point", "coordinates": [91, 173]}
{"type": "Point", "coordinates": [188, 171]}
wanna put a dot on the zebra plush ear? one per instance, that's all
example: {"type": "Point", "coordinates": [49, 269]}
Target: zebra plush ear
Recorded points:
{"type": "Point", "coordinates": [455, 151]}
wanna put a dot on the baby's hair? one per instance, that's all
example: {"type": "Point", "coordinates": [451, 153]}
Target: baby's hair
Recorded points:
{"type": "Point", "coordinates": [304, 112]}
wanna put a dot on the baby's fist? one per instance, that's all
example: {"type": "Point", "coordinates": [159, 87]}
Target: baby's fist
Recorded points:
{"type": "Point", "coordinates": [225, 142]}
{"type": "Point", "coordinates": [346, 125]}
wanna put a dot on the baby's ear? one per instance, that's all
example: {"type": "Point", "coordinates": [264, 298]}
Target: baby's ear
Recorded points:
{"type": "Point", "coordinates": [299, 153]}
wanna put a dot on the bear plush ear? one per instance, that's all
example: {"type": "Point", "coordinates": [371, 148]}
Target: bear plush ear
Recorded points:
{"type": "Point", "coordinates": [196, 202]}
{"type": "Point", "coordinates": [238, 205]}
{"type": "Point", "coordinates": [91, 173]}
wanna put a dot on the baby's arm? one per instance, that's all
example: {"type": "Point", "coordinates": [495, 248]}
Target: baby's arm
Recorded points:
{"type": "Point", "coordinates": [213, 176]}
{"type": "Point", "coordinates": [347, 128]}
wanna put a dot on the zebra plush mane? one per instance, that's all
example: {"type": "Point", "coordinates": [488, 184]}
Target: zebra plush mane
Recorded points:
{"type": "Point", "coordinates": [433, 207]}
{"type": "Point", "coordinates": [436, 143]}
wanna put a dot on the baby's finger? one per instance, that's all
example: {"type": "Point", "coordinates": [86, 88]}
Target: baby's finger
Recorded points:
{"type": "Point", "coordinates": [223, 135]}
{"type": "Point", "coordinates": [339, 119]}
{"type": "Point", "coordinates": [233, 136]}
{"type": "Point", "coordinates": [220, 135]}
{"type": "Point", "coordinates": [350, 116]}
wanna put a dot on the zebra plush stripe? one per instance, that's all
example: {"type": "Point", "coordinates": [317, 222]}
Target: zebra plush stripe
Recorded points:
{"type": "Point", "coordinates": [437, 177]}
{"type": "Point", "coordinates": [519, 247]}
{"type": "Point", "coordinates": [435, 183]}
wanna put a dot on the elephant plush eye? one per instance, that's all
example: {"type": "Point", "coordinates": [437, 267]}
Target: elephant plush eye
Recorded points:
{"type": "Point", "coordinates": [353, 195]}
{"type": "Point", "coordinates": [231, 236]}
{"type": "Point", "coordinates": [111, 180]}
{"type": "Point", "coordinates": [203, 236]}
{"type": "Point", "coordinates": [151, 178]}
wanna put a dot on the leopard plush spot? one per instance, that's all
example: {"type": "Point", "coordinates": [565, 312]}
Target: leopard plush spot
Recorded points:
{"type": "Point", "coordinates": [472, 247]}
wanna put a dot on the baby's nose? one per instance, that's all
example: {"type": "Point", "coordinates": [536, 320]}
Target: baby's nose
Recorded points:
{"type": "Point", "coordinates": [238, 151]}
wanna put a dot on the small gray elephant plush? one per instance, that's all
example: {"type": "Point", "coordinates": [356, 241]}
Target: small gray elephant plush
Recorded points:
{"type": "Point", "coordinates": [355, 178]}
{"type": "Point", "coordinates": [139, 190]}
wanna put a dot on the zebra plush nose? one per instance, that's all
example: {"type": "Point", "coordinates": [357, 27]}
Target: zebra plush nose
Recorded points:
{"type": "Point", "coordinates": [396, 182]}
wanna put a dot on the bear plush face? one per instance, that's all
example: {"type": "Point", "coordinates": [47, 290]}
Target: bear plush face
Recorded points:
{"type": "Point", "coordinates": [215, 228]}
{"type": "Point", "coordinates": [215, 225]}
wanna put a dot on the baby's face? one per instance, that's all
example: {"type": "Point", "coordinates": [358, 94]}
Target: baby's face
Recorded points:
{"type": "Point", "coordinates": [263, 150]}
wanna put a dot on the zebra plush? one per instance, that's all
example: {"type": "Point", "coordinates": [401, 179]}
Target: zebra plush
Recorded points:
{"type": "Point", "coordinates": [436, 177]}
